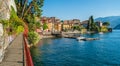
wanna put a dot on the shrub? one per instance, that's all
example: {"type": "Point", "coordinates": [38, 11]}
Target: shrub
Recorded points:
{"type": "Point", "coordinates": [38, 25]}
{"type": "Point", "coordinates": [5, 23]}
{"type": "Point", "coordinates": [33, 38]}
{"type": "Point", "coordinates": [20, 29]}
{"type": "Point", "coordinates": [15, 23]}
{"type": "Point", "coordinates": [45, 26]}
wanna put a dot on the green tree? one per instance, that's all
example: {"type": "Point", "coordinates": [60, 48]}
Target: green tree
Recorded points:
{"type": "Point", "coordinates": [91, 25]}
{"type": "Point", "coordinates": [33, 38]}
{"type": "Point", "coordinates": [88, 26]}
{"type": "Point", "coordinates": [77, 28]}
{"type": "Point", "coordinates": [33, 7]}
{"type": "Point", "coordinates": [15, 23]}
{"type": "Point", "coordinates": [45, 26]}
{"type": "Point", "coordinates": [27, 11]}
{"type": "Point", "coordinates": [38, 25]}
{"type": "Point", "coordinates": [106, 23]}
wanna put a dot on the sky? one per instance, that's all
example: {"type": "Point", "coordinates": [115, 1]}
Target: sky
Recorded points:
{"type": "Point", "coordinates": [80, 9]}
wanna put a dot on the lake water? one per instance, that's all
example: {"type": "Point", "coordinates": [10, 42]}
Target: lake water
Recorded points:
{"type": "Point", "coordinates": [70, 52]}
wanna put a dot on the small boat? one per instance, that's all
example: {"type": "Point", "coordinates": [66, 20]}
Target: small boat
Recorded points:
{"type": "Point", "coordinates": [80, 38]}
{"type": "Point", "coordinates": [100, 32]}
{"type": "Point", "coordinates": [86, 39]}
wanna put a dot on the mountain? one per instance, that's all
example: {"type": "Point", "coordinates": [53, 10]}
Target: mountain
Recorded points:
{"type": "Point", "coordinates": [114, 20]}
{"type": "Point", "coordinates": [117, 27]}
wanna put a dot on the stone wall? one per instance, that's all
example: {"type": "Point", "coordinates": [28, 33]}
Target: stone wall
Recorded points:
{"type": "Point", "coordinates": [1, 42]}
{"type": "Point", "coordinates": [1, 29]}
{"type": "Point", "coordinates": [5, 7]}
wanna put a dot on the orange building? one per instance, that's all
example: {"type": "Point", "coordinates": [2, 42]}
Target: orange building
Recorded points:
{"type": "Point", "coordinates": [52, 23]}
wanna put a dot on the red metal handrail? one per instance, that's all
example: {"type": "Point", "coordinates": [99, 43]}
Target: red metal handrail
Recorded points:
{"type": "Point", "coordinates": [29, 61]}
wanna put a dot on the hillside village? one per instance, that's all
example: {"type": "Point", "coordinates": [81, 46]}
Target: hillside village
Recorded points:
{"type": "Point", "coordinates": [54, 24]}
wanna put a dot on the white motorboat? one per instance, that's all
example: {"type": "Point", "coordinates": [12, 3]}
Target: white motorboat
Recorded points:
{"type": "Point", "coordinates": [100, 32]}
{"type": "Point", "coordinates": [80, 38]}
{"type": "Point", "coordinates": [86, 39]}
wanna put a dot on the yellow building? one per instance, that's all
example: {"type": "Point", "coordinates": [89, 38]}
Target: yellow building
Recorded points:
{"type": "Point", "coordinates": [67, 25]}
{"type": "Point", "coordinates": [53, 24]}
{"type": "Point", "coordinates": [57, 25]}
{"type": "Point", "coordinates": [49, 24]}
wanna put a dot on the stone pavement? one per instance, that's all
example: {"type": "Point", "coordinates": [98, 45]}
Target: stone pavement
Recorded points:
{"type": "Point", "coordinates": [14, 53]}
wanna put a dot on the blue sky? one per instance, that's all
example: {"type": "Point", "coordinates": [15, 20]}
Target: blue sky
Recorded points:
{"type": "Point", "coordinates": [81, 9]}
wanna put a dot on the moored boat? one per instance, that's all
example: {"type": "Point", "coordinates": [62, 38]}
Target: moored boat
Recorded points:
{"type": "Point", "coordinates": [80, 38]}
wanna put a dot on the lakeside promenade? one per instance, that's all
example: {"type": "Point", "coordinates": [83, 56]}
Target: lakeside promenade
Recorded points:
{"type": "Point", "coordinates": [14, 55]}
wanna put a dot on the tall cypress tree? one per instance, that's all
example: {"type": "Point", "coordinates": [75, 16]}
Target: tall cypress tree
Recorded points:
{"type": "Point", "coordinates": [91, 25]}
